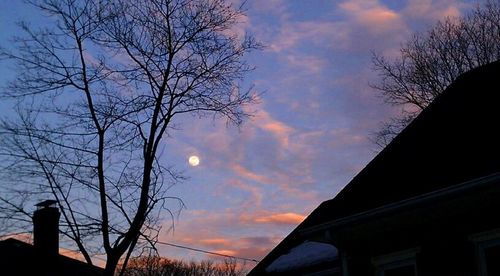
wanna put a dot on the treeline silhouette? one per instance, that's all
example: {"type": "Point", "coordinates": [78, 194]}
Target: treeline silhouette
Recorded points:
{"type": "Point", "coordinates": [156, 266]}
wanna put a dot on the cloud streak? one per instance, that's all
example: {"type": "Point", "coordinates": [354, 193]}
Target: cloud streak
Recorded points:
{"type": "Point", "coordinates": [284, 218]}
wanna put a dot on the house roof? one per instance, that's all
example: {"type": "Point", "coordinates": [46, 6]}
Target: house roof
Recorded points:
{"type": "Point", "coordinates": [20, 258]}
{"type": "Point", "coordinates": [454, 140]}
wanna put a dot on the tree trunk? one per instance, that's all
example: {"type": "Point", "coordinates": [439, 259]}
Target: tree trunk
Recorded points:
{"type": "Point", "coordinates": [111, 264]}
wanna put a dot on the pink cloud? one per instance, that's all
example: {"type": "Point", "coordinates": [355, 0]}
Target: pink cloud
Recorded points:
{"type": "Point", "coordinates": [373, 16]}
{"type": "Point", "coordinates": [209, 231]}
{"type": "Point", "coordinates": [280, 130]}
{"type": "Point", "coordinates": [431, 10]}
{"type": "Point", "coordinates": [209, 225]}
{"type": "Point", "coordinates": [284, 218]}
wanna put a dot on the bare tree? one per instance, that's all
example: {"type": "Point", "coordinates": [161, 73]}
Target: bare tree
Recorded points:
{"type": "Point", "coordinates": [156, 266]}
{"type": "Point", "coordinates": [431, 61]}
{"type": "Point", "coordinates": [96, 92]}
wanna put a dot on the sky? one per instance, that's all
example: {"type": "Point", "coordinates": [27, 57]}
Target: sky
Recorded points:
{"type": "Point", "coordinates": [311, 130]}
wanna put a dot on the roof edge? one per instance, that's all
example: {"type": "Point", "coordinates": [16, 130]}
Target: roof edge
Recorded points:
{"type": "Point", "coordinates": [431, 196]}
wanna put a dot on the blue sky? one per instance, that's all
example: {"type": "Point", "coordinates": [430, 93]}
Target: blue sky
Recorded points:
{"type": "Point", "coordinates": [311, 130]}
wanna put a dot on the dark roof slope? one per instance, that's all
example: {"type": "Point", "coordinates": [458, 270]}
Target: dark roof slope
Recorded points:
{"type": "Point", "coordinates": [20, 258]}
{"type": "Point", "coordinates": [455, 139]}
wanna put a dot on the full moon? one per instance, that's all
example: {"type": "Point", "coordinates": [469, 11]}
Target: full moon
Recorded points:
{"type": "Point", "coordinates": [194, 160]}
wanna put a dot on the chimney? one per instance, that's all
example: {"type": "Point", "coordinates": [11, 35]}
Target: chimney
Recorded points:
{"type": "Point", "coordinates": [46, 229]}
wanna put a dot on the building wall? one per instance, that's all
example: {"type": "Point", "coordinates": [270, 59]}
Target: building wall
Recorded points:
{"type": "Point", "coordinates": [442, 234]}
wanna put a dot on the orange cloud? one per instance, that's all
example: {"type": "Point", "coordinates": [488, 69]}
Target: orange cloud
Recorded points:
{"type": "Point", "coordinates": [226, 252]}
{"type": "Point", "coordinates": [215, 242]}
{"type": "Point", "coordinates": [229, 232]}
{"type": "Point", "coordinates": [72, 254]}
{"type": "Point", "coordinates": [25, 237]}
{"type": "Point", "coordinates": [285, 218]}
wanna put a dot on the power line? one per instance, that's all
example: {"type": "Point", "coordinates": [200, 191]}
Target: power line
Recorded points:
{"type": "Point", "coordinates": [207, 252]}
{"type": "Point", "coordinates": [164, 243]}
{"type": "Point", "coordinates": [193, 249]}
{"type": "Point", "coordinates": [183, 247]}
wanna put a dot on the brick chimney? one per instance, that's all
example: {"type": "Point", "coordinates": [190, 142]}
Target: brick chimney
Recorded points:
{"type": "Point", "coordinates": [46, 229]}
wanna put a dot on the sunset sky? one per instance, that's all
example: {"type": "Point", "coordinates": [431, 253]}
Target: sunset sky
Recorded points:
{"type": "Point", "coordinates": [311, 130]}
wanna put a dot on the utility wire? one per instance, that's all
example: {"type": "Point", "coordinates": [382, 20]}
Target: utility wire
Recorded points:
{"type": "Point", "coordinates": [169, 244]}
{"type": "Point", "coordinates": [189, 248]}
{"type": "Point", "coordinates": [207, 252]}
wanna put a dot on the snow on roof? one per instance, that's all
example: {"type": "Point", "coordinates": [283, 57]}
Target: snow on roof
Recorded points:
{"type": "Point", "coordinates": [306, 254]}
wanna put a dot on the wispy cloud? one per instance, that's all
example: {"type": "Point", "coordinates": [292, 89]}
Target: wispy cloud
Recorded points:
{"type": "Point", "coordinates": [256, 194]}
{"type": "Point", "coordinates": [280, 130]}
{"type": "Point", "coordinates": [309, 63]}
{"type": "Point", "coordinates": [432, 10]}
{"type": "Point", "coordinates": [245, 173]}
{"type": "Point", "coordinates": [295, 34]}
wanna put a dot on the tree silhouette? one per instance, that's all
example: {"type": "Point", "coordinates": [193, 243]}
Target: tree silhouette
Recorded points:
{"type": "Point", "coordinates": [95, 95]}
{"type": "Point", "coordinates": [432, 60]}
